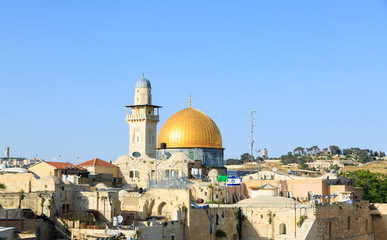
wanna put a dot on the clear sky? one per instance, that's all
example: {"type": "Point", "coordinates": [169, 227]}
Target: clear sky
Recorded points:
{"type": "Point", "coordinates": [314, 71]}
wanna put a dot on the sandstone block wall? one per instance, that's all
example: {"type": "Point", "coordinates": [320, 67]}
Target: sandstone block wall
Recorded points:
{"type": "Point", "coordinates": [380, 221]}
{"type": "Point", "coordinates": [342, 221]}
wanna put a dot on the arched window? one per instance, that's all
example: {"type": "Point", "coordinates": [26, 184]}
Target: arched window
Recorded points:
{"type": "Point", "coordinates": [366, 225]}
{"type": "Point", "coordinates": [160, 209]}
{"type": "Point", "coordinates": [282, 229]}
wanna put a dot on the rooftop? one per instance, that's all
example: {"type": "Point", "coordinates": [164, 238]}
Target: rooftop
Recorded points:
{"type": "Point", "coordinates": [97, 162]}
{"type": "Point", "coordinates": [65, 165]}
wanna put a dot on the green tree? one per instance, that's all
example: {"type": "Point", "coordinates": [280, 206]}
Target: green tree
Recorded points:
{"type": "Point", "coordinates": [364, 158]}
{"type": "Point", "coordinates": [374, 185]}
{"type": "Point", "coordinates": [245, 157]}
{"type": "Point", "coordinates": [315, 150]}
{"type": "Point", "coordinates": [300, 151]}
{"type": "Point", "coordinates": [334, 150]}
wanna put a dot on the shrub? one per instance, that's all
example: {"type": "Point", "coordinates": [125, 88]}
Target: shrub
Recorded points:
{"type": "Point", "coordinates": [301, 221]}
{"type": "Point", "coordinates": [220, 234]}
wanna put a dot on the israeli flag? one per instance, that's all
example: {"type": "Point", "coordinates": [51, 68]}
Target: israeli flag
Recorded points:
{"type": "Point", "coordinates": [234, 181]}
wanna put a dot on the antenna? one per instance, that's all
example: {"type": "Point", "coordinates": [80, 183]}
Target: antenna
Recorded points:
{"type": "Point", "coordinates": [252, 140]}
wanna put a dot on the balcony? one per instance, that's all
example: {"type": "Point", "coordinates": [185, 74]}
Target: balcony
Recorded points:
{"type": "Point", "coordinates": [142, 117]}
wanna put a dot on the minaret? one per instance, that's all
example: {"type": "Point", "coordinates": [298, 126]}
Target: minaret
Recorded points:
{"type": "Point", "coordinates": [7, 152]}
{"type": "Point", "coordinates": [142, 121]}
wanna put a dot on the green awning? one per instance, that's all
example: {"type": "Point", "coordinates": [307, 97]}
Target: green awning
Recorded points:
{"type": "Point", "coordinates": [222, 178]}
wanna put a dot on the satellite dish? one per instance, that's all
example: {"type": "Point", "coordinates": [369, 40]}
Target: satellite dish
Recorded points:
{"type": "Point", "coordinates": [120, 219]}
{"type": "Point", "coordinates": [136, 154]}
{"type": "Point", "coordinates": [274, 169]}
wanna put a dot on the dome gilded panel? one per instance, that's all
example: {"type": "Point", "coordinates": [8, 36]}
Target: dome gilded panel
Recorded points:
{"type": "Point", "coordinates": [190, 128]}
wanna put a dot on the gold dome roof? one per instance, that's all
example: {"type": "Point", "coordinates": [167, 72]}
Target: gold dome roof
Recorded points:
{"type": "Point", "coordinates": [190, 128]}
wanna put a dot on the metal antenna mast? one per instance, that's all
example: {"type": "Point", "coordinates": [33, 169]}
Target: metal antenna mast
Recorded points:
{"type": "Point", "coordinates": [252, 141]}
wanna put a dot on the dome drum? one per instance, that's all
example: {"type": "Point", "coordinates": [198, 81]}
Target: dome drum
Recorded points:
{"type": "Point", "coordinates": [207, 156]}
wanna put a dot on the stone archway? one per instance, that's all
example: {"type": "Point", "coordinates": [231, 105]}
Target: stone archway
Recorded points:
{"type": "Point", "coordinates": [282, 229]}
{"type": "Point", "coordinates": [161, 209]}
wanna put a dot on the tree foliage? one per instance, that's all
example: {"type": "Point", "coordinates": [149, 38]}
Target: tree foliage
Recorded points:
{"type": "Point", "coordinates": [245, 158]}
{"type": "Point", "coordinates": [374, 185]}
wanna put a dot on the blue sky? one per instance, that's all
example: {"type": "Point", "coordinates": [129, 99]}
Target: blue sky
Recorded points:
{"type": "Point", "coordinates": [315, 72]}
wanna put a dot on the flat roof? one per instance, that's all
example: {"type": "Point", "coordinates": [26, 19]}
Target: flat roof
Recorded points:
{"type": "Point", "coordinates": [142, 105]}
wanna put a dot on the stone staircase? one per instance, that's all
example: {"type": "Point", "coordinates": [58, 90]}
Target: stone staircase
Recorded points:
{"type": "Point", "coordinates": [303, 232]}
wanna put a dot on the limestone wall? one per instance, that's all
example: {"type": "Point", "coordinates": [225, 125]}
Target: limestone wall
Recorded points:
{"type": "Point", "coordinates": [37, 202]}
{"type": "Point", "coordinates": [209, 191]}
{"type": "Point", "coordinates": [103, 169]}
{"type": "Point", "coordinates": [336, 221]}
{"type": "Point", "coordinates": [380, 221]}
{"type": "Point", "coordinates": [224, 219]}
{"type": "Point", "coordinates": [144, 168]}
{"type": "Point", "coordinates": [246, 222]}
{"type": "Point", "coordinates": [93, 234]}
{"type": "Point", "coordinates": [163, 231]}
{"type": "Point", "coordinates": [342, 221]}
{"type": "Point", "coordinates": [163, 202]}
{"type": "Point", "coordinates": [107, 204]}
{"type": "Point", "coordinates": [16, 182]}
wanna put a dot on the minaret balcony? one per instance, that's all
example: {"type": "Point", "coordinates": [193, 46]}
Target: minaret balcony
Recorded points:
{"type": "Point", "coordinates": [130, 117]}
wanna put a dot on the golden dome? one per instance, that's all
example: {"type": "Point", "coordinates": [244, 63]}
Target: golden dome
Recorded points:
{"type": "Point", "coordinates": [190, 128]}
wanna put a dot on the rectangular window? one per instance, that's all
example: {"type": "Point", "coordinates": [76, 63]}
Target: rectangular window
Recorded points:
{"type": "Point", "coordinates": [310, 196]}
{"type": "Point", "coordinates": [330, 229]}
{"type": "Point", "coordinates": [131, 174]}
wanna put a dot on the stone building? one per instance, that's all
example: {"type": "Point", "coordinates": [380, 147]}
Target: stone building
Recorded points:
{"type": "Point", "coordinates": [63, 170]}
{"type": "Point", "coordinates": [330, 187]}
{"type": "Point", "coordinates": [137, 172]}
{"type": "Point", "coordinates": [326, 164]}
{"type": "Point", "coordinates": [98, 166]}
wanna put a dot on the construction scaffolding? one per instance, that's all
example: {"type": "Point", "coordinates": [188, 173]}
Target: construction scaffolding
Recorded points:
{"type": "Point", "coordinates": [170, 182]}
